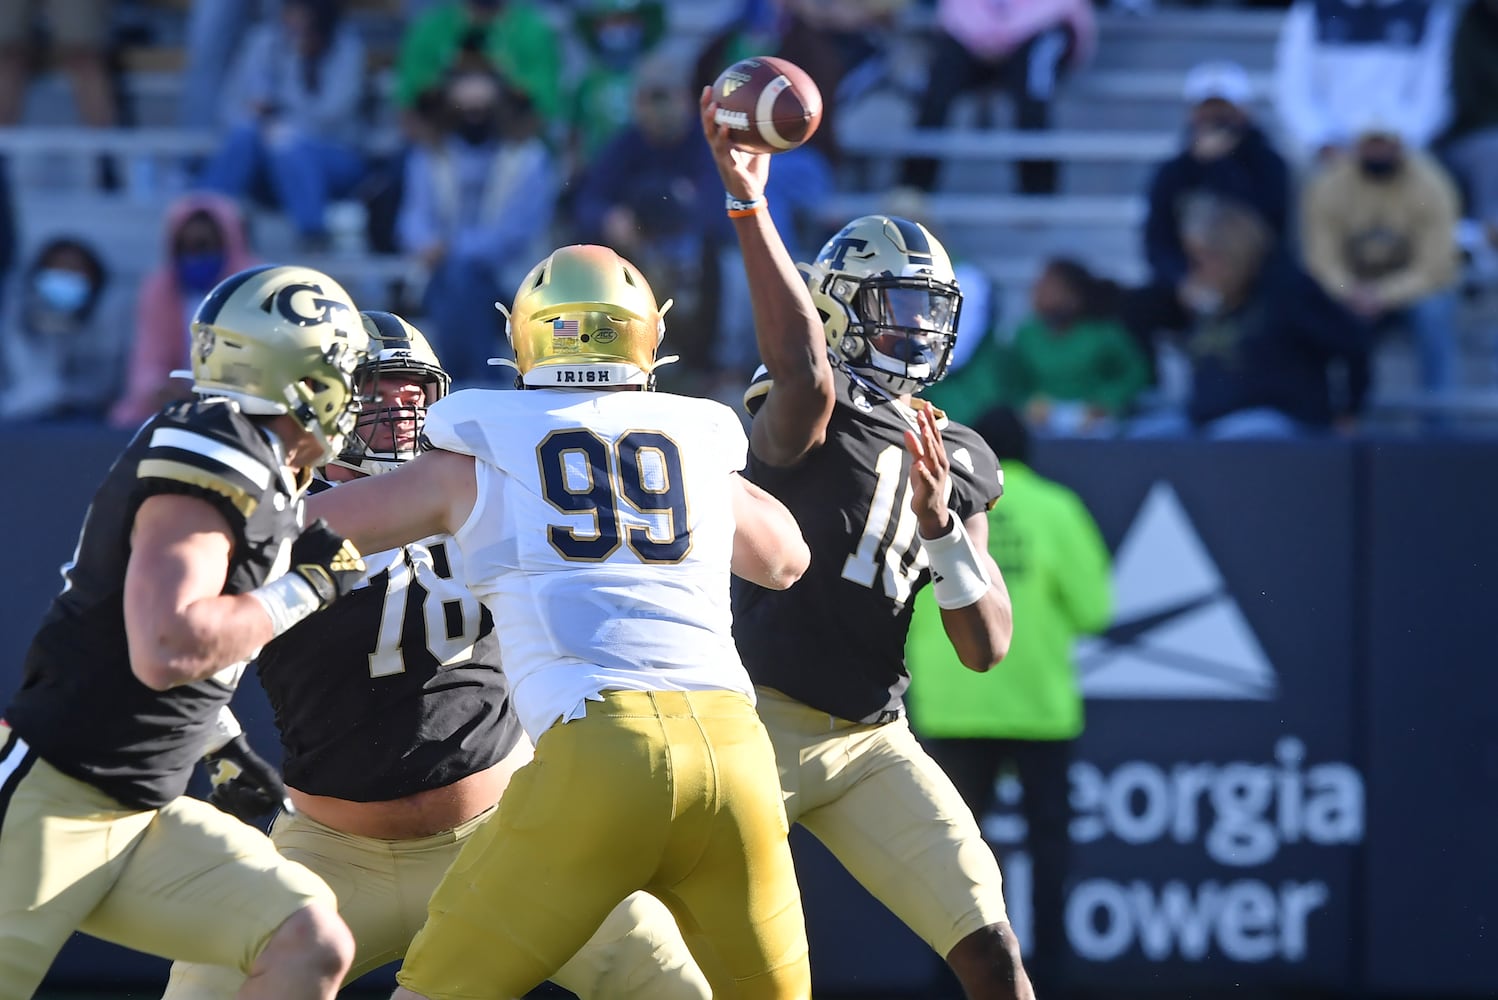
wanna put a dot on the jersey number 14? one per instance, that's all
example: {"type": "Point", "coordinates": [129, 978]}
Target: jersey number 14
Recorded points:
{"type": "Point", "coordinates": [894, 561]}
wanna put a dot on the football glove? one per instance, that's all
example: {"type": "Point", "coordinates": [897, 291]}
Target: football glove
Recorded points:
{"type": "Point", "coordinates": [328, 562]}
{"type": "Point", "coordinates": [244, 784]}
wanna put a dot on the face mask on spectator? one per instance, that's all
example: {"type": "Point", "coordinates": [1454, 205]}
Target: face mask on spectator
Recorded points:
{"type": "Point", "coordinates": [1058, 318]}
{"type": "Point", "coordinates": [476, 129]}
{"type": "Point", "coordinates": [1203, 300]}
{"type": "Point", "coordinates": [621, 37]}
{"type": "Point", "coordinates": [1213, 139]}
{"type": "Point", "coordinates": [199, 271]}
{"type": "Point", "coordinates": [61, 290]}
{"type": "Point", "coordinates": [1378, 168]}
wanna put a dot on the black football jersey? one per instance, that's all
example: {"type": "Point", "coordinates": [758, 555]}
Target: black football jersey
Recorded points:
{"type": "Point", "coordinates": [394, 689]}
{"type": "Point", "coordinates": [80, 706]}
{"type": "Point", "coordinates": [836, 639]}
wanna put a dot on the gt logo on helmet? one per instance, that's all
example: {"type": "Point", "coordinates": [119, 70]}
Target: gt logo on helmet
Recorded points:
{"type": "Point", "coordinates": [837, 251]}
{"type": "Point", "coordinates": [289, 302]}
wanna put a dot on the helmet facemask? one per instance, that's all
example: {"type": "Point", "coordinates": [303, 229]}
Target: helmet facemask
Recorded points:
{"type": "Point", "coordinates": [326, 404]}
{"type": "Point", "coordinates": [389, 425]}
{"type": "Point", "coordinates": [900, 329]}
{"type": "Point", "coordinates": [889, 301]}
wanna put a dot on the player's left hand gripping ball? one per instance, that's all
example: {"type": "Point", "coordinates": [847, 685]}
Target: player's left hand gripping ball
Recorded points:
{"type": "Point", "coordinates": [244, 784]}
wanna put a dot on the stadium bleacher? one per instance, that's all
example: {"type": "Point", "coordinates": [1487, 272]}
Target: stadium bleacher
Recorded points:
{"type": "Point", "coordinates": [1113, 121]}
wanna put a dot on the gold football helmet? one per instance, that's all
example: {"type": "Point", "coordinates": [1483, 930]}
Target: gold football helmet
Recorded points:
{"type": "Point", "coordinates": [889, 301]}
{"type": "Point", "coordinates": [388, 431]}
{"type": "Point", "coordinates": [280, 339]}
{"type": "Point", "coordinates": [586, 318]}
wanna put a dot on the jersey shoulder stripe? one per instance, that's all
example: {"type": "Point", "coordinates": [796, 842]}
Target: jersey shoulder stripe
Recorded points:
{"type": "Point", "coordinates": [213, 450]}
{"type": "Point", "coordinates": [194, 475]}
{"type": "Point", "coordinates": [216, 451]}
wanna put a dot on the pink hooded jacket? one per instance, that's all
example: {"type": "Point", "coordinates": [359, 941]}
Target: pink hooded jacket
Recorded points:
{"type": "Point", "coordinates": [991, 29]}
{"type": "Point", "coordinates": [161, 339]}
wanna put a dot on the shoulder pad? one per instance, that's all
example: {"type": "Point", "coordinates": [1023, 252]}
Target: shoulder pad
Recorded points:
{"type": "Point", "coordinates": [209, 446]}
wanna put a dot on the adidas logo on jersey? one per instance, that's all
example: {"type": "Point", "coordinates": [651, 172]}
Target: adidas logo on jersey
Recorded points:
{"type": "Point", "coordinates": [1177, 632]}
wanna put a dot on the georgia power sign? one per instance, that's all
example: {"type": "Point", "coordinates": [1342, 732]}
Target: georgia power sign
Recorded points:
{"type": "Point", "coordinates": [1202, 825]}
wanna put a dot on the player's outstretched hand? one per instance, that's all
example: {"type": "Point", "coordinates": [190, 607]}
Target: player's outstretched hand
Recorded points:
{"type": "Point", "coordinates": [327, 561]}
{"type": "Point", "coordinates": [744, 174]}
{"type": "Point", "coordinates": [928, 475]}
{"type": "Point", "coordinates": [244, 785]}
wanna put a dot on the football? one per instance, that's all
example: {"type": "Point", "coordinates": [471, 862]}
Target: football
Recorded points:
{"type": "Point", "coordinates": [768, 104]}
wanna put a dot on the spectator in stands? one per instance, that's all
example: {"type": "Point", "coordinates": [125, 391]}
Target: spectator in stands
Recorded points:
{"type": "Point", "coordinates": [1023, 47]}
{"type": "Point", "coordinates": [776, 28]}
{"type": "Point", "coordinates": [210, 42]}
{"type": "Point", "coordinates": [62, 343]}
{"type": "Point", "coordinates": [1226, 154]}
{"type": "Point", "coordinates": [654, 195]}
{"type": "Point", "coordinates": [510, 37]}
{"type": "Point", "coordinates": [7, 231]}
{"type": "Point", "coordinates": [477, 206]}
{"type": "Point", "coordinates": [205, 242]}
{"type": "Point", "coordinates": [1379, 229]}
{"type": "Point", "coordinates": [293, 115]}
{"type": "Point", "coordinates": [861, 30]}
{"type": "Point", "coordinates": [1472, 140]}
{"type": "Point", "coordinates": [1336, 58]}
{"type": "Point", "coordinates": [1071, 367]}
{"type": "Point", "coordinates": [81, 31]}
{"type": "Point", "coordinates": [1264, 337]}
{"type": "Point", "coordinates": [1025, 716]}
{"type": "Point", "coordinates": [617, 35]}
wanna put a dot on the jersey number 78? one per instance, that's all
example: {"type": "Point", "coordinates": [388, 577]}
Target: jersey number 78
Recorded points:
{"type": "Point", "coordinates": [450, 614]}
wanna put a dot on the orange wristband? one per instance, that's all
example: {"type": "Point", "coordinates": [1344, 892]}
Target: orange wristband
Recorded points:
{"type": "Point", "coordinates": [741, 209]}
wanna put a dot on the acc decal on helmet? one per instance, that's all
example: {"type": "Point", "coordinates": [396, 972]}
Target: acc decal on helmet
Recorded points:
{"type": "Point", "coordinates": [282, 340]}
{"type": "Point", "coordinates": [889, 301]}
{"type": "Point", "coordinates": [586, 317]}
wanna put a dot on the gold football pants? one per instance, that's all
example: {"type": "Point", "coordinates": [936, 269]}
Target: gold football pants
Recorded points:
{"type": "Point", "coordinates": [185, 881]}
{"type": "Point", "coordinates": [674, 793]}
{"type": "Point", "coordinates": [890, 814]}
{"type": "Point", "coordinates": [383, 887]}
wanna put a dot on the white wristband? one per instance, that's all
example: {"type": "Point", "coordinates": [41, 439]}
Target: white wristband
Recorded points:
{"type": "Point", "coordinates": [958, 575]}
{"type": "Point", "coordinates": [286, 601]}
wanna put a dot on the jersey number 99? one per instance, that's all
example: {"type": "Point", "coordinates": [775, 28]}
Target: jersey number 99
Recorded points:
{"type": "Point", "coordinates": [632, 489]}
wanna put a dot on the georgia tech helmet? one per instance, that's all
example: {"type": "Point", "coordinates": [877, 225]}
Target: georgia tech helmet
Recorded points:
{"type": "Point", "coordinates": [586, 318]}
{"type": "Point", "coordinates": [282, 339]}
{"type": "Point", "coordinates": [889, 301]}
{"type": "Point", "coordinates": [388, 433]}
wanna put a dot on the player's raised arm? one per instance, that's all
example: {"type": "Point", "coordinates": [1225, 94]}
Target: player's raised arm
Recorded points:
{"type": "Point", "coordinates": [792, 344]}
{"type": "Point", "coordinates": [429, 495]}
{"type": "Point", "coordinates": [767, 545]}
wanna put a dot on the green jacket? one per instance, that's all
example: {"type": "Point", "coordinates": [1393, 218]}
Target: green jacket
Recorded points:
{"type": "Point", "coordinates": [1056, 567]}
{"type": "Point", "coordinates": [1096, 362]}
{"type": "Point", "coordinates": [520, 43]}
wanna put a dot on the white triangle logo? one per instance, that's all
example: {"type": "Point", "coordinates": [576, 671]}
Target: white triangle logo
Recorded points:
{"type": "Point", "coordinates": [1177, 632]}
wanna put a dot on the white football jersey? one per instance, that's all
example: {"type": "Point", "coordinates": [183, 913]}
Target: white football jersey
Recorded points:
{"type": "Point", "coordinates": [600, 540]}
